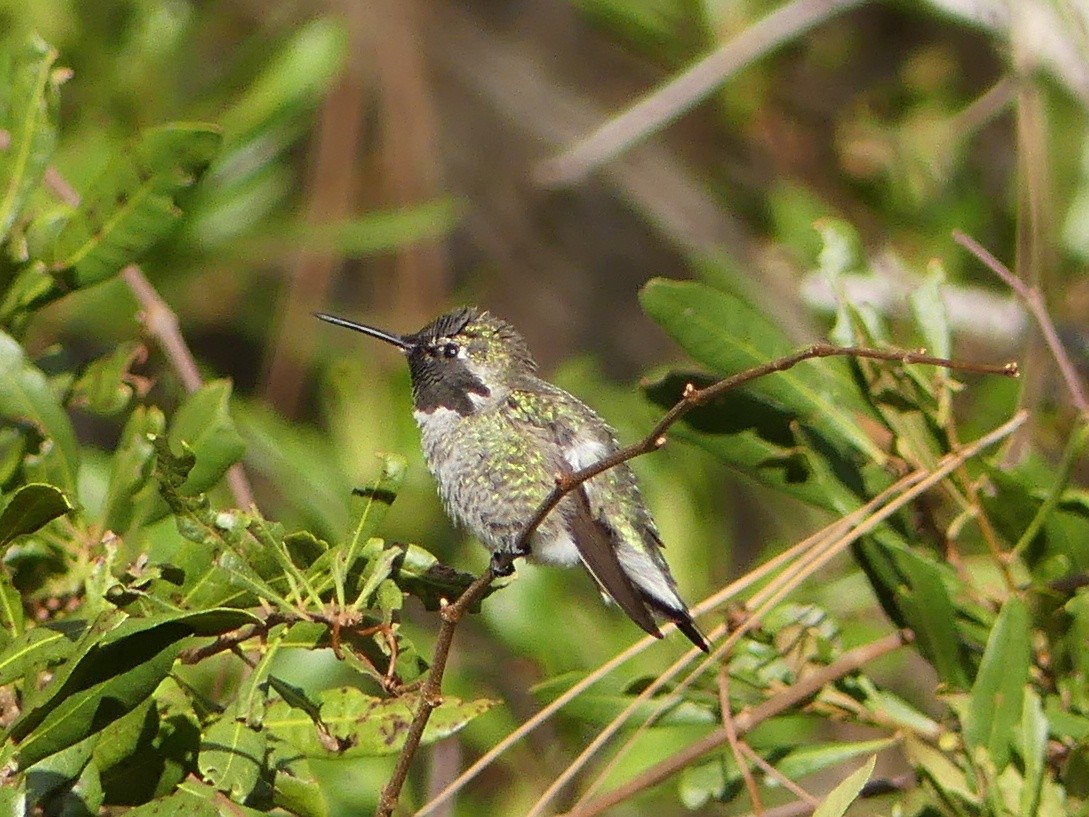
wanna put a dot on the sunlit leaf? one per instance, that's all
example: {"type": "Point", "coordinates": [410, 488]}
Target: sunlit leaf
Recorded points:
{"type": "Point", "coordinates": [26, 398]}
{"type": "Point", "coordinates": [132, 205]}
{"type": "Point", "coordinates": [28, 113]}
{"type": "Point", "coordinates": [232, 755]}
{"type": "Point", "coordinates": [840, 798]}
{"type": "Point", "coordinates": [366, 725]}
{"type": "Point", "coordinates": [30, 508]}
{"type": "Point", "coordinates": [997, 694]}
{"type": "Point", "coordinates": [203, 421]}
{"type": "Point", "coordinates": [729, 336]}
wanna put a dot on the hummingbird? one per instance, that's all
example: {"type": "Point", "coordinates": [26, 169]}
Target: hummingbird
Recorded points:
{"type": "Point", "coordinates": [496, 436]}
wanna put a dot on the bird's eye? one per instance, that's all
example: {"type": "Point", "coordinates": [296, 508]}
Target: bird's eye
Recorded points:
{"type": "Point", "coordinates": [450, 350]}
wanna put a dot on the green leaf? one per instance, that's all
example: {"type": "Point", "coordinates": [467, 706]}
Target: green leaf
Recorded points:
{"type": "Point", "coordinates": [928, 308]}
{"type": "Point", "coordinates": [113, 670]}
{"type": "Point", "coordinates": [365, 725]}
{"type": "Point", "coordinates": [203, 422]}
{"type": "Point", "coordinates": [13, 798]}
{"type": "Point", "coordinates": [28, 113]}
{"type": "Point", "coordinates": [232, 755]}
{"type": "Point", "coordinates": [370, 504]}
{"type": "Point", "coordinates": [1032, 746]}
{"type": "Point", "coordinates": [130, 498]}
{"type": "Point", "coordinates": [131, 206]}
{"type": "Point", "coordinates": [32, 507]}
{"type": "Point", "coordinates": [297, 791]}
{"type": "Point", "coordinates": [923, 600]}
{"type": "Point", "coordinates": [811, 759]}
{"type": "Point", "coordinates": [418, 572]}
{"type": "Point", "coordinates": [12, 618]}
{"type": "Point", "coordinates": [374, 232]}
{"type": "Point", "coordinates": [726, 334]}
{"type": "Point", "coordinates": [35, 649]}
{"type": "Point", "coordinates": [995, 704]}
{"type": "Point", "coordinates": [26, 398]}
{"type": "Point", "coordinates": [754, 434]}
{"type": "Point", "coordinates": [840, 798]}
{"type": "Point", "coordinates": [296, 76]}
{"type": "Point", "coordinates": [105, 386]}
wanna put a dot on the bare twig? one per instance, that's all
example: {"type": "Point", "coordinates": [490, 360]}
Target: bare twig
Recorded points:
{"type": "Point", "coordinates": [162, 324]}
{"type": "Point", "coordinates": [687, 89]}
{"type": "Point", "coordinates": [734, 741]}
{"type": "Point", "coordinates": [1035, 302]}
{"type": "Point", "coordinates": [431, 691]}
{"type": "Point", "coordinates": [849, 662]}
{"type": "Point", "coordinates": [774, 773]}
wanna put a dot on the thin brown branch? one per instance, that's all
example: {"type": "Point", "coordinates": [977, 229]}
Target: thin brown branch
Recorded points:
{"type": "Point", "coordinates": [807, 687]}
{"type": "Point", "coordinates": [734, 741]}
{"type": "Point", "coordinates": [162, 324]}
{"type": "Point", "coordinates": [774, 773]}
{"type": "Point", "coordinates": [1035, 302]}
{"type": "Point", "coordinates": [431, 691]}
{"type": "Point", "coordinates": [666, 103]}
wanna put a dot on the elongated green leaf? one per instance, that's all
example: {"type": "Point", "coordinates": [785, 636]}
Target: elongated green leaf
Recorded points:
{"type": "Point", "coordinates": [1032, 746]}
{"type": "Point", "coordinates": [375, 232]}
{"type": "Point", "coordinates": [295, 77]}
{"type": "Point", "coordinates": [371, 503]}
{"type": "Point", "coordinates": [232, 755]}
{"type": "Point", "coordinates": [34, 650]}
{"type": "Point", "coordinates": [113, 667]}
{"type": "Point", "coordinates": [28, 113]}
{"type": "Point", "coordinates": [132, 205]}
{"type": "Point", "coordinates": [729, 336]}
{"type": "Point", "coordinates": [365, 725]}
{"type": "Point", "coordinates": [204, 423]}
{"type": "Point", "coordinates": [135, 672]}
{"type": "Point", "coordinates": [811, 759]}
{"type": "Point", "coordinates": [756, 435]}
{"type": "Point", "coordinates": [30, 508]}
{"type": "Point", "coordinates": [996, 701]}
{"type": "Point", "coordinates": [128, 498]}
{"type": "Point", "coordinates": [12, 619]}
{"type": "Point", "coordinates": [25, 398]}
{"type": "Point", "coordinates": [840, 798]}
{"type": "Point", "coordinates": [927, 609]}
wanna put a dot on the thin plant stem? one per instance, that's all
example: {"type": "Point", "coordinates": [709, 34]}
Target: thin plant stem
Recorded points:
{"type": "Point", "coordinates": [1035, 302]}
{"type": "Point", "coordinates": [735, 742]}
{"type": "Point", "coordinates": [807, 687]}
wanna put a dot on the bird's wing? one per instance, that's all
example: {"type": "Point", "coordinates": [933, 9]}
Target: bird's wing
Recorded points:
{"type": "Point", "coordinates": [594, 542]}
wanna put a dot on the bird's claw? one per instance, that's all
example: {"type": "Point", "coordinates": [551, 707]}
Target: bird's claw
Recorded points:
{"type": "Point", "coordinates": [502, 563]}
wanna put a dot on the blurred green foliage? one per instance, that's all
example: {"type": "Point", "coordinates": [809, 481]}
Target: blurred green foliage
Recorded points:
{"type": "Point", "coordinates": [124, 561]}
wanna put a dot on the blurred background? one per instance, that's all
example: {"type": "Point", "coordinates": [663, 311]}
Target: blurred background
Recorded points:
{"type": "Point", "coordinates": [387, 159]}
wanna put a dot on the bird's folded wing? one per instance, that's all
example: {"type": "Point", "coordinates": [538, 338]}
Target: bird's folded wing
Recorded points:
{"type": "Point", "coordinates": [595, 546]}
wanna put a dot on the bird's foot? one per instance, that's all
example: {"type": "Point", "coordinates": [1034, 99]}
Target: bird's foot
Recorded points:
{"type": "Point", "coordinates": [502, 563]}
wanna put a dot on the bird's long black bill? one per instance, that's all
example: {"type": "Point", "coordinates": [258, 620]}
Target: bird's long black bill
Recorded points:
{"type": "Point", "coordinates": [388, 337]}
